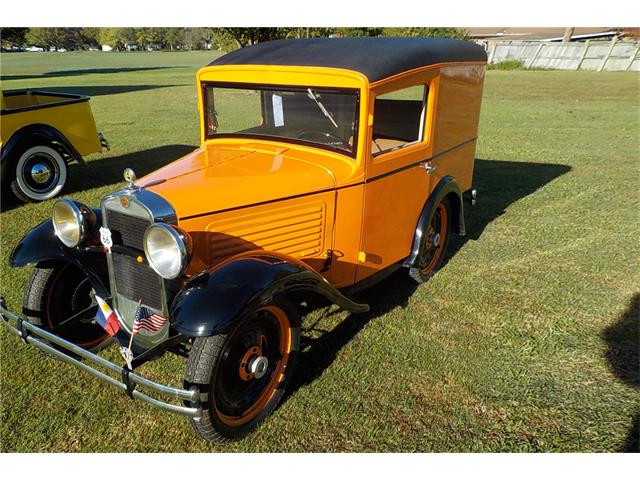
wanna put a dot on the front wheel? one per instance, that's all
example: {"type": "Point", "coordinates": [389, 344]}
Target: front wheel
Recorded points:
{"type": "Point", "coordinates": [40, 173]}
{"type": "Point", "coordinates": [60, 299]}
{"type": "Point", "coordinates": [244, 372]}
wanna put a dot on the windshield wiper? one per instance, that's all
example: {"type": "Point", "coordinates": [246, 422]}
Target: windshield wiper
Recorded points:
{"type": "Point", "coordinates": [316, 98]}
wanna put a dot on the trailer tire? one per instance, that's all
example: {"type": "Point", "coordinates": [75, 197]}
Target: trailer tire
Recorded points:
{"type": "Point", "coordinates": [39, 172]}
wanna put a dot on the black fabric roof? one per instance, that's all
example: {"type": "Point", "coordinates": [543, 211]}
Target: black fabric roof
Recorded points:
{"type": "Point", "coordinates": [375, 57]}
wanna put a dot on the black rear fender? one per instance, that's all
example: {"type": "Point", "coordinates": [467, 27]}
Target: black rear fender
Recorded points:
{"type": "Point", "coordinates": [446, 188]}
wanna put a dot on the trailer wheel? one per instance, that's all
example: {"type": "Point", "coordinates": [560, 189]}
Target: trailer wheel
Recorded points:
{"type": "Point", "coordinates": [245, 372]}
{"type": "Point", "coordinates": [40, 173]}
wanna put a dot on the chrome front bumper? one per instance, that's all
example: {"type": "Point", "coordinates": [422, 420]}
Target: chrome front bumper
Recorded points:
{"type": "Point", "coordinates": [128, 381]}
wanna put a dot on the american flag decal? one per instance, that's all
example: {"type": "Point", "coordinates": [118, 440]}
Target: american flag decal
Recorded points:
{"type": "Point", "coordinates": [146, 319]}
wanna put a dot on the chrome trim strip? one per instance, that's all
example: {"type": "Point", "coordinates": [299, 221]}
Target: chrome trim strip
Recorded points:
{"type": "Point", "coordinates": [32, 332]}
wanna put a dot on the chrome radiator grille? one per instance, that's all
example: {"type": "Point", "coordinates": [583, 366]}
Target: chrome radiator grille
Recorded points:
{"type": "Point", "coordinates": [136, 281]}
{"type": "Point", "coordinates": [133, 281]}
{"type": "Point", "coordinates": [127, 230]}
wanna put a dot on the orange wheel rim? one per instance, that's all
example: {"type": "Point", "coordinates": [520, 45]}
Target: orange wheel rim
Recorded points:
{"type": "Point", "coordinates": [239, 367]}
{"type": "Point", "coordinates": [435, 240]}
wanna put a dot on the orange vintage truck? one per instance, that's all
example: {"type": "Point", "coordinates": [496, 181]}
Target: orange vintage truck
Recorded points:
{"type": "Point", "coordinates": [324, 165]}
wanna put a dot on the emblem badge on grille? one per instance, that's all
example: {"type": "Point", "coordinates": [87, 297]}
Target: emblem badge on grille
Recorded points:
{"type": "Point", "coordinates": [105, 238]}
{"type": "Point", "coordinates": [124, 201]}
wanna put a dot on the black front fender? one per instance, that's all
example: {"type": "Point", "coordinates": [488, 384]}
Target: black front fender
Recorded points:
{"type": "Point", "coordinates": [212, 302]}
{"type": "Point", "coordinates": [40, 244]}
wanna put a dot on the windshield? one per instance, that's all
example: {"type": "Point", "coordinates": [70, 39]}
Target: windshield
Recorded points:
{"type": "Point", "coordinates": [318, 116]}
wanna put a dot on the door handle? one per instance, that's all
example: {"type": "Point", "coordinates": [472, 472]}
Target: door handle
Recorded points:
{"type": "Point", "coordinates": [430, 168]}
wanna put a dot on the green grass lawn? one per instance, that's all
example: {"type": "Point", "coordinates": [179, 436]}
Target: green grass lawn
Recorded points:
{"type": "Point", "coordinates": [527, 339]}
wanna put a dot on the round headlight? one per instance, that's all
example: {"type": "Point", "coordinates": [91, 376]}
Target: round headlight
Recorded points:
{"type": "Point", "coordinates": [69, 222]}
{"type": "Point", "coordinates": [167, 249]}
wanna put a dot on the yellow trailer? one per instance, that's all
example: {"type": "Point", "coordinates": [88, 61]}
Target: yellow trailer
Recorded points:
{"type": "Point", "coordinates": [40, 134]}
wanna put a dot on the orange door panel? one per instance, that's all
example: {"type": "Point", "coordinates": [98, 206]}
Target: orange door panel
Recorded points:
{"type": "Point", "coordinates": [392, 205]}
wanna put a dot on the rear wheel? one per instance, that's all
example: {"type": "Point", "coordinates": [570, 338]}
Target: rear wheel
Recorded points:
{"type": "Point", "coordinates": [244, 372]}
{"type": "Point", "coordinates": [434, 244]}
{"type": "Point", "coordinates": [60, 299]}
{"type": "Point", "coordinates": [40, 173]}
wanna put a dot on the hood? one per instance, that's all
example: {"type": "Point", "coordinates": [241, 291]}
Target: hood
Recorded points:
{"type": "Point", "coordinates": [214, 179]}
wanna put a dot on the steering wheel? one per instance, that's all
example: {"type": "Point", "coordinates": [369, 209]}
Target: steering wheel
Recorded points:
{"type": "Point", "coordinates": [326, 135]}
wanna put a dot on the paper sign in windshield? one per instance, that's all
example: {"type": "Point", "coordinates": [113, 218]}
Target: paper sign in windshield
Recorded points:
{"type": "Point", "coordinates": [278, 114]}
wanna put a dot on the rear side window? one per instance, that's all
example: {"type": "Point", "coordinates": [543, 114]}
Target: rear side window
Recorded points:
{"type": "Point", "coordinates": [398, 119]}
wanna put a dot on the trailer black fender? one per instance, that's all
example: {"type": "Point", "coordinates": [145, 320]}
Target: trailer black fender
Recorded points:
{"type": "Point", "coordinates": [213, 301]}
{"type": "Point", "coordinates": [34, 134]}
{"type": "Point", "coordinates": [41, 244]}
{"type": "Point", "coordinates": [446, 187]}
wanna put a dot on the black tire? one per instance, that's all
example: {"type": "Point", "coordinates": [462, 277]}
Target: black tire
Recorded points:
{"type": "Point", "coordinates": [432, 253]}
{"type": "Point", "coordinates": [66, 287]}
{"type": "Point", "coordinates": [215, 362]}
{"type": "Point", "coordinates": [38, 172]}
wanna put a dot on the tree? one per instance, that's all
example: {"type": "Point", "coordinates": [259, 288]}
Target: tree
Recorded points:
{"type": "Point", "coordinates": [116, 38]}
{"type": "Point", "coordinates": [357, 31]}
{"type": "Point", "coordinates": [148, 36]}
{"type": "Point", "coordinates": [13, 35]}
{"type": "Point", "coordinates": [243, 37]}
{"type": "Point", "coordinates": [173, 37]}
{"type": "Point", "coordinates": [44, 37]}
{"type": "Point", "coordinates": [309, 32]}
{"type": "Point", "coordinates": [444, 32]}
{"type": "Point", "coordinates": [91, 35]}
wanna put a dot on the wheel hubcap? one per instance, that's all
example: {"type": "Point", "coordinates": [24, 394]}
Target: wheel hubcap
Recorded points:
{"type": "Point", "coordinates": [436, 240]}
{"type": "Point", "coordinates": [252, 366]}
{"type": "Point", "coordinates": [258, 366]}
{"type": "Point", "coordinates": [40, 173]}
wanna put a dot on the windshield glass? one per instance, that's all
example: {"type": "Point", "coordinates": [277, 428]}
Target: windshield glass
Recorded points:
{"type": "Point", "coordinates": [318, 116]}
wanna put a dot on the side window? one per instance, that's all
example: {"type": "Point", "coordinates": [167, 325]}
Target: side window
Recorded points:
{"type": "Point", "coordinates": [398, 119]}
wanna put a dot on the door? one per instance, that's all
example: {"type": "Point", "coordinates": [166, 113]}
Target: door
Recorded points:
{"type": "Point", "coordinates": [397, 183]}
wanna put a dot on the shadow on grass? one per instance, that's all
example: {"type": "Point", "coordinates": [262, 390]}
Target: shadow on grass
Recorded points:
{"type": "Point", "coordinates": [98, 90]}
{"type": "Point", "coordinates": [317, 354]}
{"type": "Point", "coordinates": [499, 183]}
{"type": "Point", "coordinates": [623, 356]}
{"type": "Point", "coordinates": [87, 71]}
{"type": "Point", "coordinates": [98, 173]}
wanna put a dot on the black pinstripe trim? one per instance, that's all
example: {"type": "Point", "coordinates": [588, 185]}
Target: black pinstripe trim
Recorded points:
{"type": "Point", "coordinates": [382, 175]}
{"type": "Point", "coordinates": [426, 160]}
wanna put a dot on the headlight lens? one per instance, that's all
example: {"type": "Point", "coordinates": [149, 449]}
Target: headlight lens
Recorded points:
{"type": "Point", "coordinates": [167, 249]}
{"type": "Point", "coordinates": [70, 222]}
